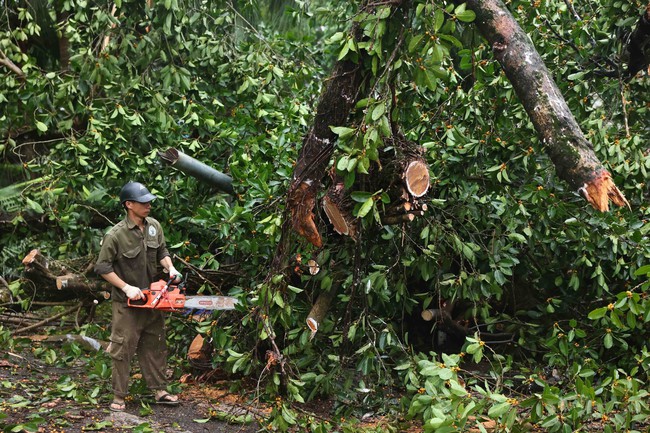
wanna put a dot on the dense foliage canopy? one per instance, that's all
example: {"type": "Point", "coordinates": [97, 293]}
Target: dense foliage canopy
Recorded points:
{"type": "Point", "coordinates": [92, 91]}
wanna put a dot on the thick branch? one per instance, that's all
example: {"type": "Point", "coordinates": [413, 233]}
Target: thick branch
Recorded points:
{"type": "Point", "coordinates": [319, 310]}
{"type": "Point", "coordinates": [571, 153]}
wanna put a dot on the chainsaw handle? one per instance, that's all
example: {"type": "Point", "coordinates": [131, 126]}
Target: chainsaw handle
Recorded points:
{"type": "Point", "coordinates": [141, 301]}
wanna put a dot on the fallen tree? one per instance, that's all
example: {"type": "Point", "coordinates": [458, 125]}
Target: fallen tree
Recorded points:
{"type": "Point", "coordinates": [572, 154]}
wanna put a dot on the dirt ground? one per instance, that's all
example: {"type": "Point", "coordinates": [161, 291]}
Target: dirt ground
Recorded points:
{"type": "Point", "coordinates": [203, 408]}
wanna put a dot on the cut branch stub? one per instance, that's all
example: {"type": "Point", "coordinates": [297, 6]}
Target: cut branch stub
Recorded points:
{"type": "Point", "coordinates": [416, 178]}
{"type": "Point", "coordinates": [319, 310]}
{"type": "Point", "coordinates": [336, 217]}
{"type": "Point", "coordinates": [338, 208]}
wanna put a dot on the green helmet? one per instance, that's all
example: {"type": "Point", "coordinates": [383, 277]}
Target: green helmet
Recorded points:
{"type": "Point", "coordinates": [135, 191]}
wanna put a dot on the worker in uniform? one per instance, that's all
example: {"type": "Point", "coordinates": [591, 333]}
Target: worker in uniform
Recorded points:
{"type": "Point", "coordinates": [129, 260]}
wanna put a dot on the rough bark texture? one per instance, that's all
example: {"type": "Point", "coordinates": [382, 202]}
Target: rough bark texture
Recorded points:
{"type": "Point", "coordinates": [336, 102]}
{"type": "Point", "coordinates": [571, 153]}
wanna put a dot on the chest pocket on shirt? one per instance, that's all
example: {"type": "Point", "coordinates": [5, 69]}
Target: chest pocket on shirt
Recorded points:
{"type": "Point", "coordinates": [132, 253]}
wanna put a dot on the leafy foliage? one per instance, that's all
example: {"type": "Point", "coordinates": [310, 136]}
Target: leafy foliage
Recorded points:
{"type": "Point", "coordinates": [236, 84]}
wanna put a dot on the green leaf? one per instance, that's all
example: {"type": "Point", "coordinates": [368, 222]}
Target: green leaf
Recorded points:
{"type": "Point", "coordinates": [413, 43]}
{"type": "Point", "coordinates": [608, 341]}
{"type": "Point", "coordinates": [360, 196]}
{"type": "Point", "coordinates": [41, 126]}
{"type": "Point", "coordinates": [438, 20]}
{"type": "Point", "coordinates": [498, 409]}
{"type": "Point", "coordinates": [466, 16]}
{"type": "Point", "coordinates": [516, 237]}
{"type": "Point", "coordinates": [342, 131]}
{"type": "Point", "coordinates": [643, 270]}
{"type": "Point", "coordinates": [378, 111]}
{"type": "Point", "coordinates": [342, 165]}
{"type": "Point", "coordinates": [33, 205]}
{"type": "Point", "coordinates": [365, 208]}
{"type": "Point", "coordinates": [597, 313]}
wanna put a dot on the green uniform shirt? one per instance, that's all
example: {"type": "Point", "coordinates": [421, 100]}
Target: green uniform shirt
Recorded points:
{"type": "Point", "coordinates": [134, 255]}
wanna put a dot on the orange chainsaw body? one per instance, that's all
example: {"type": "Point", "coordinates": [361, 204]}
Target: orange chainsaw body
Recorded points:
{"type": "Point", "coordinates": [160, 295]}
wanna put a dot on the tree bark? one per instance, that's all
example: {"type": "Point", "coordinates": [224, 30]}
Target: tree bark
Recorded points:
{"type": "Point", "coordinates": [638, 46]}
{"type": "Point", "coordinates": [64, 42]}
{"type": "Point", "coordinates": [571, 153]}
{"type": "Point", "coordinates": [336, 102]}
{"type": "Point", "coordinates": [319, 310]}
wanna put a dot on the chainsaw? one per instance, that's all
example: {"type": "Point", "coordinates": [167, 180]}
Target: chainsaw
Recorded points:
{"type": "Point", "coordinates": [165, 296]}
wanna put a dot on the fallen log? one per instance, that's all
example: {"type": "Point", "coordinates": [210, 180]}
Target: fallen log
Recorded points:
{"type": "Point", "coordinates": [52, 282]}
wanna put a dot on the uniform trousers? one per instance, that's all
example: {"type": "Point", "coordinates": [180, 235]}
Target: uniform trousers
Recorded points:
{"type": "Point", "coordinates": [137, 331]}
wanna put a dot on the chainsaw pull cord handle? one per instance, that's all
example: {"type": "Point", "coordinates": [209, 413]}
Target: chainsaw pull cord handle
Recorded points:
{"type": "Point", "coordinates": [162, 293]}
{"type": "Point", "coordinates": [181, 285]}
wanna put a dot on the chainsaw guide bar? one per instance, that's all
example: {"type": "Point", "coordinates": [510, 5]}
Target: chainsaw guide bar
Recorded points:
{"type": "Point", "coordinates": [164, 296]}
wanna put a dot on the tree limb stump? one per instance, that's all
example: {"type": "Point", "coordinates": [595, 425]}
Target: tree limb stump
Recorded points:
{"type": "Point", "coordinates": [319, 310]}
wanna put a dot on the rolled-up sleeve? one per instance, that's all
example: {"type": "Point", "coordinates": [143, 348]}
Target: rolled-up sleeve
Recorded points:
{"type": "Point", "coordinates": [106, 257]}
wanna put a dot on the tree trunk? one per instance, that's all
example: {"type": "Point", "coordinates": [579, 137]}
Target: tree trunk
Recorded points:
{"type": "Point", "coordinates": [64, 42]}
{"type": "Point", "coordinates": [336, 102]}
{"type": "Point", "coordinates": [638, 46]}
{"type": "Point", "coordinates": [571, 153]}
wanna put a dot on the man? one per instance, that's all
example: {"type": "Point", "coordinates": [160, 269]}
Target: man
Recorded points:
{"type": "Point", "coordinates": [130, 254]}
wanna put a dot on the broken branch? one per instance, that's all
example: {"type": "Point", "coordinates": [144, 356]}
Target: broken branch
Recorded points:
{"type": "Point", "coordinates": [4, 60]}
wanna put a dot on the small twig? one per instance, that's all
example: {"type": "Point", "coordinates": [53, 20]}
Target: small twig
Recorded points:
{"type": "Point", "coordinates": [47, 320]}
{"type": "Point", "coordinates": [624, 103]}
{"type": "Point", "coordinates": [569, 6]}
{"type": "Point", "coordinates": [52, 303]}
{"type": "Point", "coordinates": [197, 272]}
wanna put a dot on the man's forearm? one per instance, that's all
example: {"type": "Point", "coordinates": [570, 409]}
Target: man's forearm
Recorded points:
{"type": "Point", "coordinates": [114, 279]}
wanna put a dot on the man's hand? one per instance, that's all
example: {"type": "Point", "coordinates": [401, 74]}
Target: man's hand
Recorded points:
{"type": "Point", "coordinates": [173, 273]}
{"type": "Point", "coordinates": [132, 292]}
